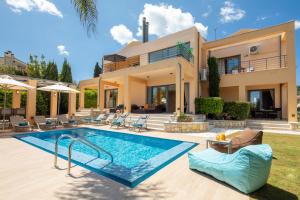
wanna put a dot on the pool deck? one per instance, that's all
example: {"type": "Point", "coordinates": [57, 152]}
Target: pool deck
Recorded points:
{"type": "Point", "coordinates": [27, 172]}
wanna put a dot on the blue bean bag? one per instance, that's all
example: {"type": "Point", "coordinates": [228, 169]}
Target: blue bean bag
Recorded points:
{"type": "Point", "coordinates": [247, 169]}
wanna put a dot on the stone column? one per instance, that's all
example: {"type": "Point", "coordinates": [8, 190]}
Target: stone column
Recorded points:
{"type": "Point", "coordinates": [127, 96]}
{"type": "Point", "coordinates": [16, 99]}
{"type": "Point", "coordinates": [31, 101]}
{"type": "Point", "coordinates": [53, 104]}
{"type": "Point", "coordinates": [81, 98]}
{"type": "Point", "coordinates": [72, 103]}
{"type": "Point", "coordinates": [121, 94]}
{"type": "Point", "coordinates": [179, 88]}
{"type": "Point", "coordinates": [101, 95]}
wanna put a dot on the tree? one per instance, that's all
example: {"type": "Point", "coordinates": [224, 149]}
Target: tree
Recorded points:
{"type": "Point", "coordinates": [34, 67]}
{"type": "Point", "coordinates": [51, 72]}
{"type": "Point", "coordinates": [214, 77]}
{"type": "Point", "coordinates": [66, 73]}
{"type": "Point", "coordinates": [97, 70]}
{"type": "Point", "coordinates": [88, 13]}
{"type": "Point", "coordinates": [65, 76]}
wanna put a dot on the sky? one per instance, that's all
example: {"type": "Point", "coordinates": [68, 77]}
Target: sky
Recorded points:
{"type": "Point", "coordinates": [52, 27]}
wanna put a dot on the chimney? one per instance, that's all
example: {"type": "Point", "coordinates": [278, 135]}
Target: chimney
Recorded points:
{"type": "Point", "coordinates": [145, 30]}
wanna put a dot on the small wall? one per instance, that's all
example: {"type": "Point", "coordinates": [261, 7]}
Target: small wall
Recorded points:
{"type": "Point", "coordinates": [228, 123]}
{"type": "Point", "coordinates": [186, 127]}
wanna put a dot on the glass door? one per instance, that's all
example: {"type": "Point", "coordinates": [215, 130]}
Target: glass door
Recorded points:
{"type": "Point", "coordinates": [111, 98]}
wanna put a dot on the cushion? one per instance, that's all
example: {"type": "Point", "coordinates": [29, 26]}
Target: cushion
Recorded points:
{"type": "Point", "coordinates": [23, 123]}
{"type": "Point", "coordinates": [247, 169]}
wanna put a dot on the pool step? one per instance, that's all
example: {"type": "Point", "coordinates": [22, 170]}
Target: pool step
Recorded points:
{"type": "Point", "coordinates": [268, 124]}
{"type": "Point", "coordinates": [155, 121]}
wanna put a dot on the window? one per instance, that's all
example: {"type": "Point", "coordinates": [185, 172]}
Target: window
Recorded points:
{"type": "Point", "coordinates": [229, 65]}
{"type": "Point", "coordinates": [165, 53]}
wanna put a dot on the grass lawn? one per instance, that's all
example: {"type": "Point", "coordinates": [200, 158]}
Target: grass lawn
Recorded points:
{"type": "Point", "coordinates": [284, 180]}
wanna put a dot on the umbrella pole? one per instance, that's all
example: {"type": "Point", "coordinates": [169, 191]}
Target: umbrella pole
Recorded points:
{"type": "Point", "coordinates": [4, 107]}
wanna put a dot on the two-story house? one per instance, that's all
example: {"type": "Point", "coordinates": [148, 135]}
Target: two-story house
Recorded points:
{"type": "Point", "coordinates": [258, 66]}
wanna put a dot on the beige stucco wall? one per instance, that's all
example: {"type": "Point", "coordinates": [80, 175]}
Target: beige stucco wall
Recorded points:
{"type": "Point", "coordinates": [138, 93]}
{"type": "Point", "coordinates": [229, 93]}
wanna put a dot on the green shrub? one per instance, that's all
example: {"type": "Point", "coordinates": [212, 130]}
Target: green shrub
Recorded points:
{"type": "Point", "coordinates": [90, 98]}
{"type": "Point", "coordinates": [237, 110]}
{"type": "Point", "coordinates": [209, 105]}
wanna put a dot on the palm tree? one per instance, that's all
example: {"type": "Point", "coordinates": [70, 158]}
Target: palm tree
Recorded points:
{"type": "Point", "coordinates": [88, 14]}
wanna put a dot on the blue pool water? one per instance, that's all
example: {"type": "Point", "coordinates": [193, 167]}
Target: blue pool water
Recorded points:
{"type": "Point", "coordinates": [135, 157]}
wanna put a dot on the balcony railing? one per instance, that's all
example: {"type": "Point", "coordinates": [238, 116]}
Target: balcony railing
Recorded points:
{"type": "Point", "coordinates": [261, 64]}
{"type": "Point", "coordinates": [129, 62]}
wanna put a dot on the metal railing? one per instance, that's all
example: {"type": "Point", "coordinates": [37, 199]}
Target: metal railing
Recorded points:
{"type": "Point", "coordinates": [261, 64]}
{"type": "Point", "coordinates": [81, 140]}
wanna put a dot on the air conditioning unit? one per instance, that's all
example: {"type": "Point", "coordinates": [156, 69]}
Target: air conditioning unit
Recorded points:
{"type": "Point", "coordinates": [203, 74]}
{"type": "Point", "coordinates": [254, 50]}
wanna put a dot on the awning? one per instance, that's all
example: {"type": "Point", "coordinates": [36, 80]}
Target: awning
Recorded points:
{"type": "Point", "coordinates": [114, 58]}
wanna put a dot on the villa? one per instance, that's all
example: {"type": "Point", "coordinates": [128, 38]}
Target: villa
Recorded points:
{"type": "Point", "coordinates": [258, 66]}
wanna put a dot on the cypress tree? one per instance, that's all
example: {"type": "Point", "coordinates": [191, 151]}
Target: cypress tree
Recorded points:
{"type": "Point", "coordinates": [65, 76]}
{"type": "Point", "coordinates": [51, 72]}
{"type": "Point", "coordinates": [214, 77]}
{"type": "Point", "coordinates": [97, 70]}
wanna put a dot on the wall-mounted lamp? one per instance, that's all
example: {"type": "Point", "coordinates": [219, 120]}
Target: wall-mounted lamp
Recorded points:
{"type": "Point", "coordinates": [18, 92]}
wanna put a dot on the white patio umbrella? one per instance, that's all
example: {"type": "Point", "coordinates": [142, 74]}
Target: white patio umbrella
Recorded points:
{"type": "Point", "coordinates": [8, 83]}
{"type": "Point", "coordinates": [58, 88]}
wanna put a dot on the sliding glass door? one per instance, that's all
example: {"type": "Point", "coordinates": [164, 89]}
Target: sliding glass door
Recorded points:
{"type": "Point", "coordinates": [162, 98]}
{"type": "Point", "coordinates": [262, 99]}
{"type": "Point", "coordinates": [110, 98]}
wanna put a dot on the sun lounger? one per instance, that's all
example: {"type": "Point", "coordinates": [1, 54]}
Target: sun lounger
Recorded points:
{"type": "Point", "coordinates": [101, 119]}
{"type": "Point", "coordinates": [43, 123]}
{"type": "Point", "coordinates": [120, 121]}
{"type": "Point", "coordinates": [19, 124]}
{"type": "Point", "coordinates": [63, 120]}
{"type": "Point", "coordinates": [247, 137]}
{"type": "Point", "coordinates": [140, 123]}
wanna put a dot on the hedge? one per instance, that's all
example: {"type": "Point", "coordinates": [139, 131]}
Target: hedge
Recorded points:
{"type": "Point", "coordinates": [237, 110]}
{"type": "Point", "coordinates": [90, 98]}
{"type": "Point", "coordinates": [209, 105]}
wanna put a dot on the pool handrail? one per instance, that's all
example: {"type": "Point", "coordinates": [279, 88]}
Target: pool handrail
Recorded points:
{"type": "Point", "coordinates": [73, 140]}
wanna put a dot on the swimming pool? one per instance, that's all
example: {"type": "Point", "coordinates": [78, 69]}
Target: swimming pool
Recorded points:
{"type": "Point", "coordinates": [135, 157]}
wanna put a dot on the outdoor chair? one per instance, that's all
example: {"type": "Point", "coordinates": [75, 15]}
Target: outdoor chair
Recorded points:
{"type": "Point", "coordinates": [101, 119]}
{"type": "Point", "coordinates": [245, 138]}
{"type": "Point", "coordinates": [43, 123]}
{"type": "Point", "coordinates": [63, 120]}
{"type": "Point", "coordinates": [19, 124]}
{"type": "Point", "coordinates": [120, 121]}
{"type": "Point", "coordinates": [140, 123]}
{"type": "Point", "coordinates": [247, 169]}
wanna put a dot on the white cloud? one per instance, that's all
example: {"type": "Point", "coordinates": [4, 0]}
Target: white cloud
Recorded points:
{"type": "Point", "coordinates": [62, 50]}
{"type": "Point", "coordinates": [208, 11]}
{"type": "Point", "coordinates": [165, 19]}
{"type": "Point", "coordinates": [297, 24]}
{"type": "Point", "coordinates": [121, 34]}
{"type": "Point", "coordinates": [230, 13]}
{"type": "Point", "coordinates": [263, 18]}
{"type": "Point", "coordinates": [29, 5]}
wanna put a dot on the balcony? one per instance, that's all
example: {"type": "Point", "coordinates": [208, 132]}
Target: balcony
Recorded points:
{"type": "Point", "coordinates": [255, 65]}
{"type": "Point", "coordinates": [122, 64]}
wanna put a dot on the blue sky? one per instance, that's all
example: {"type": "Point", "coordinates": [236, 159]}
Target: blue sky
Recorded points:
{"type": "Point", "coordinates": [52, 27]}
